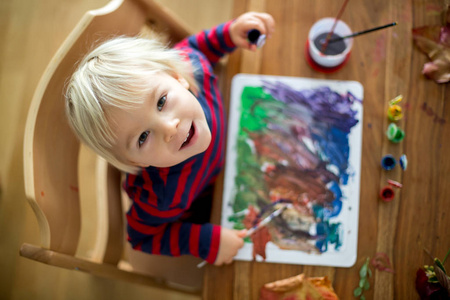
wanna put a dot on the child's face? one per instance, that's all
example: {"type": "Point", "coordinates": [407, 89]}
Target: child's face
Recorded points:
{"type": "Point", "coordinates": [166, 129]}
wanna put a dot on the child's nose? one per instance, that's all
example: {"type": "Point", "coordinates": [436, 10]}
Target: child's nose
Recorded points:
{"type": "Point", "coordinates": [170, 128]}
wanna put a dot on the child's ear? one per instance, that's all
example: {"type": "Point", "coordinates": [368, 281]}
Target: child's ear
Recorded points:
{"type": "Point", "coordinates": [182, 80]}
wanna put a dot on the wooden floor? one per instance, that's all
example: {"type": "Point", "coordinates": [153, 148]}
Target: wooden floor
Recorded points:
{"type": "Point", "coordinates": [30, 33]}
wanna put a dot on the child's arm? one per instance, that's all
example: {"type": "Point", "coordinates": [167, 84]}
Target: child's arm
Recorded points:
{"type": "Point", "coordinates": [154, 218]}
{"type": "Point", "coordinates": [161, 236]}
{"type": "Point", "coordinates": [230, 242]}
{"type": "Point", "coordinates": [213, 43]}
{"type": "Point", "coordinates": [224, 38]}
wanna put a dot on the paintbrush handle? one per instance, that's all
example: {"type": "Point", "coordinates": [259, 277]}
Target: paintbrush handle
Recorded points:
{"type": "Point", "coordinates": [361, 32]}
{"type": "Point", "coordinates": [255, 228]}
{"type": "Point", "coordinates": [265, 221]}
{"type": "Point", "coordinates": [260, 224]}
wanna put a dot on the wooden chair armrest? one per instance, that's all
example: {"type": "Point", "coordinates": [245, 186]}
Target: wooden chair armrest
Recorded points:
{"type": "Point", "coordinates": [53, 258]}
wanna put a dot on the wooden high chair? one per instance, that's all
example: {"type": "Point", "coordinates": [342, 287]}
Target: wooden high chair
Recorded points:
{"type": "Point", "coordinates": [75, 194]}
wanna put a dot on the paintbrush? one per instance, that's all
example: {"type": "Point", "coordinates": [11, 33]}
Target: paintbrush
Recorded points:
{"type": "Point", "coordinates": [266, 221]}
{"type": "Point", "coordinates": [361, 32]}
{"type": "Point", "coordinates": [258, 226]}
{"type": "Point", "coordinates": [325, 45]}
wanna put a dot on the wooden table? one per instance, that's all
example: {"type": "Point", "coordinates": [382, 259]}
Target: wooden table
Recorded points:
{"type": "Point", "coordinates": [387, 64]}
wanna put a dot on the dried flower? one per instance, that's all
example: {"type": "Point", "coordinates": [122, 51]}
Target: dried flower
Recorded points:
{"type": "Point", "coordinates": [432, 282]}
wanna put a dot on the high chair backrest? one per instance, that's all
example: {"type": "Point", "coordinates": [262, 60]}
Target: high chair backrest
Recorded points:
{"type": "Point", "coordinates": [55, 163]}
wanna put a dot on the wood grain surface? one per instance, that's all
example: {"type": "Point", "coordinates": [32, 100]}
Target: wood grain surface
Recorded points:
{"type": "Point", "coordinates": [387, 64]}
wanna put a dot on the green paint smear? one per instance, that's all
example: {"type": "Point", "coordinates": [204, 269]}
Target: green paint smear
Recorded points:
{"type": "Point", "coordinates": [253, 119]}
{"type": "Point", "coordinates": [249, 179]}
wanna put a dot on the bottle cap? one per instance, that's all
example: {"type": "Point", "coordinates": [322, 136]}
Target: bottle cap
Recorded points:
{"type": "Point", "coordinates": [255, 37]}
{"type": "Point", "coordinates": [388, 162]}
{"type": "Point", "coordinates": [394, 133]}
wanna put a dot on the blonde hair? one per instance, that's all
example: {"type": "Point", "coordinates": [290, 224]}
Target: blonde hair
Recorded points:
{"type": "Point", "coordinates": [115, 74]}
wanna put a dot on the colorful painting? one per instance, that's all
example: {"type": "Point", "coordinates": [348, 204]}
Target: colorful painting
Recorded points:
{"type": "Point", "coordinates": [294, 142]}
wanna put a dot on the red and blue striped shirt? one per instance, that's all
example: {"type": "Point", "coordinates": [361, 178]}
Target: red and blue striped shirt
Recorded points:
{"type": "Point", "coordinates": [161, 196]}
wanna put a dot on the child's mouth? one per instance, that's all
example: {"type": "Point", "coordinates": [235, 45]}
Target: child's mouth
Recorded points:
{"type": "Point", "coordinates": [189, 136]}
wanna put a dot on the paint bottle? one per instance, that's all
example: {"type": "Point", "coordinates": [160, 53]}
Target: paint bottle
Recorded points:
{"type": "Point", "coordinates": [334, 56]}
{"type": "Point", "coordinates": [394, 110]}
{"type": "Point", "coordinates": [255, 37]}
{"type": "Point", "coordinates": [387, 194]}
{"type": "Point", "coordinates": [394, 133]}
{"type": "Point", "coordinates": [388, 162]}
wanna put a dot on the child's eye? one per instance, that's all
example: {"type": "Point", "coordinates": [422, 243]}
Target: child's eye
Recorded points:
{"type": "Point", "coordinates": [161, 103]}
{"type": "Point", "coordinates": [143, 138]}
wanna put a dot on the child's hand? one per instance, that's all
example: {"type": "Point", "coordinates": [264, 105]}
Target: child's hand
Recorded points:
{"type": "Point", "coordinates": [230, 242]}
{"type": "Point", "coordinates": [248, 21]}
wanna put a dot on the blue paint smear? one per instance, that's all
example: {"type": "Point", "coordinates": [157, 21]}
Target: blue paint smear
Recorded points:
{"type": "Point", "coordinates": [277, 120]}
{"type": "Point", "coordinates": [332, 235]}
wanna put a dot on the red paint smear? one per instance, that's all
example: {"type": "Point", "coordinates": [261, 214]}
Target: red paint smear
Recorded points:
{"type": "Point", "coordinates": [42, 193]}
{"type": "Point", "coordinates": [434, 8]}
{"type": "Point", "coordinates": [380, 48]}
{"type": "Point", "coordinates": [260, 239]}
{"type": "Point", "coordinates": [375, 72]}
{"type": "Point", "coordinates": [430, 112]}
{"type": "Point", "coordinates": [381, 262]}
{"type": "Point", "coordinates": [74, 188]}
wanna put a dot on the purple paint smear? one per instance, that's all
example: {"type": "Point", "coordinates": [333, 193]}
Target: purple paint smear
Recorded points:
{"type": "Point", "coordinates": [301, 142]}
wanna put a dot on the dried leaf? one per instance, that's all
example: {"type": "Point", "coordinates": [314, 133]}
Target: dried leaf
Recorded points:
{"type": "Point", "coordinates": [434, 41]}
{"type": "Point", "coordinates": [298, 287]}
{"type": "Point", "coordinates": [438, 70]}
{"type": "Point", "coordinates": [444, 280]}
{"type": "Point", "coordinates": [431, 33]}
{"type": "Point", "coordinates": [438, 264]}
{"type": "Point", "coordinates": [448, 252]}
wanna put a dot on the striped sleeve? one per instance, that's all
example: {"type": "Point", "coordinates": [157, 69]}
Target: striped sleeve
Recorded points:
{"type": "Point", "coordinates": [213, 43]}
{"type": "Point", "coordinates": [155, 229]}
